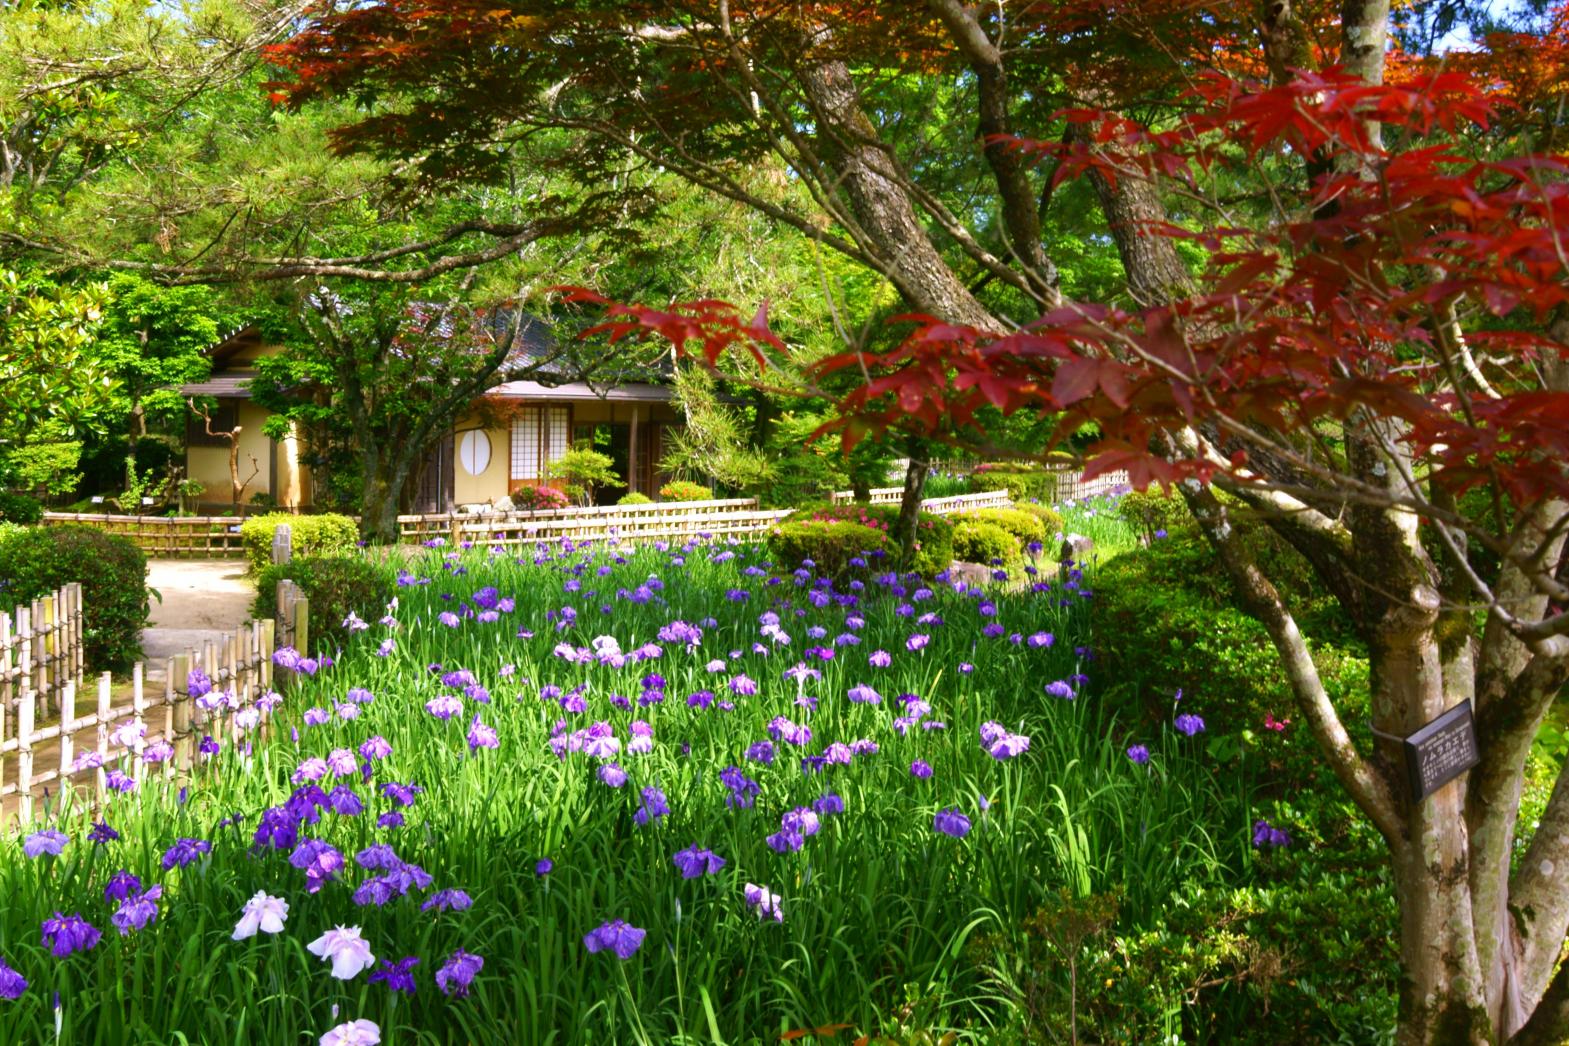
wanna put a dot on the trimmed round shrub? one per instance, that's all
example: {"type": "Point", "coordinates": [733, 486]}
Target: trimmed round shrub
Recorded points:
{"type": "Point", "coordinates": [635, 498]}
{"type": "Point", "coordinates": [831, 545]}
{"type": "Point", "coordinates": [309, 536]}
{"type": "Point", "coordinates": [933, 533]}
{"type": "Point", "coordinates": [113, 575]}
{"type": "Point", "coordinates": [335, 586]}
{"type": "Point", "coordinates": [19, 508]}
{"type": "Point", "coordinates": [1024, 526]}
{"type": "Point", "coordinates": [1022, 482]}
{"type": "Point", "coordinates": [977, 542]}
{"type": "Point", "coordinates": [1051, 521]}
{"type": "Point", "coordinates": [681, 490]}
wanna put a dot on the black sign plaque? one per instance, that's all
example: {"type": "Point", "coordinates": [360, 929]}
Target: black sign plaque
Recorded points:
{"type": "Point", "coordinates": [1441, 751]}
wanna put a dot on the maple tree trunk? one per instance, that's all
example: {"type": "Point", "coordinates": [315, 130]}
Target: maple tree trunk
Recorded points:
{"type": "Point", "coordinates": [910, 501]}
{"type": "Point", "coordinates": [882, 205]}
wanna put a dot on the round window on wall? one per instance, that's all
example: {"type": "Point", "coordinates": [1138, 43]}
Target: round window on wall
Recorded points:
{"type": "Point", "coordinates": [474, 452]}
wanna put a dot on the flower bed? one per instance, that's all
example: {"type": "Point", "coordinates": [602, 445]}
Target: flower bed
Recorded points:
{"type": "Point", "coordinates": [613, 798]}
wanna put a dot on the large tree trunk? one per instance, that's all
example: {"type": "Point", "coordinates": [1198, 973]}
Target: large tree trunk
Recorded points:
{"type": "Point", "coordinates": [910, 500]}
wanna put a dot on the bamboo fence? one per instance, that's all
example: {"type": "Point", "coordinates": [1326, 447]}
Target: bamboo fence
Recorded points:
{"type": "Point", "coordinates": [47, 749]}
{"type": "Point", "coordinates": [41, 649]}
{"type": "Point", "coordinates": [169, 537]}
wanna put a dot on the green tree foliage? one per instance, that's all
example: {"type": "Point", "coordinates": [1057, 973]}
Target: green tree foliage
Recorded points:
{"type": "Point", "coordinates": [51, 381]}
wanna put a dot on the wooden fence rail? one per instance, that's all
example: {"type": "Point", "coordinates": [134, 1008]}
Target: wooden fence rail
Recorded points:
{"type": "Point", "coordinates": [41, 649]}
{"type": "Point", "coordinates": [212, 536]}
{"type": "Point", "coordinates": [148, 733]}
{"type": "Point", "coordinates": [165, 536]}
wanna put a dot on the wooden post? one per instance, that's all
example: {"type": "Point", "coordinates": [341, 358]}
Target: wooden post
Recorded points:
{"type": "Point", "coordinates": [177, 693]}
{"type": "Point", "coordinates": [269, 630]}
{"type": "Point", "coordinates": [138, 715]}
{"type": "Point", "coordinates": [457, 530]}
{"type": "Point", "coordinates": [6, 692]}
{"type": "Point", "coordinates": [302, 624]}
{"type": "Point", "coordinates": [105, 704]}
{"type": "Point", "coordinates": [24, 752]}
{"type": "Point", "coordinates": [67, 722]}
{"type": "Point", "coordinates": [282, 543]}
{"type": "Point", "coordinates": [24, 648]}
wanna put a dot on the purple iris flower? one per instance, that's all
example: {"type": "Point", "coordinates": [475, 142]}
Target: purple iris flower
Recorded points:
{"type": "Point", "coordinates": [12, 984]}
{"type": "Point", "coordinates": [184, 852]}
{"type": "Point", "coordinates": [442, 900]}
{"type": "Point", "coordinates": [1139, 754]}
{"type": "Point", "coordinates": [951, 822]}
{"type": "Point", "coordinates": [1188, 724]}
{"type": "Point", "coordinates": [137, 910]}
{"type": "Point", "coordinates": [880, 659]}
{"type": "Point", "coordinates": [397, 976]}
{"type": "Point", "coordinates": [65, 934]}
{"type": "Point", "coordinates": [482, 736]}
{"type": "Point", "coordinates": [121, 885]}
{"type": "Point", "coordinates": [1059, 688]}
{"type": "Point", "coordinates": [458, 972]}
{"type": "Point", "coordinates": [612, 775]}
{"type": "Point", "coordinates": [617, 936]}
{"type": "Point", "coordinates": [860, 693]}
{"type": "Point", "coordinates": [102, 833]}
{"type": "Point", "coordinates": [828, 803]}
{"type": "Point", "coordinates": [695, 861]}
{"type": "Point", "coordinates": [1266, 834]}
{"type": "Point", "coordinates": [921, 768]}
{"type": "Point", "coordinates": [761, 752]}
{"type": "Point", "coordinates": [401, 794]}
{"type": "Point", "coordinates": [544, 866]}
{"type": "Point", "coordinates": [654, 807]}
{"type": "Point", "coordinates": [47, 841]}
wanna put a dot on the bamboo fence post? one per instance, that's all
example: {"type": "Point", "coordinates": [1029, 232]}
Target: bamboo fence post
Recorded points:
{"type": "Point", "coordinates": [177, 692]}
{"type": "Point", "coordinates": [138, 716]}
{"type": "Point", "coordinates": [67, 723]}
{"type": "Point", "coordinates": [269, 629]}
{"type": "Point", "coordinates": [105, 705]}
{"type": "Point", "coordinates": [78, 622]}
{"type": "Point", "coordinates": [24, 752]}
{"type": "Point", "coordinates": [6, 692]}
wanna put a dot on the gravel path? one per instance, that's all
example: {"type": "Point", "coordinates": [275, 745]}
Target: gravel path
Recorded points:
{"type": "Point", "coordinates": [202, 599]}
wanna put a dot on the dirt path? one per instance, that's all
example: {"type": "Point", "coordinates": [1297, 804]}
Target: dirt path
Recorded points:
{"type": "Point", "coordinates": [202, 599]}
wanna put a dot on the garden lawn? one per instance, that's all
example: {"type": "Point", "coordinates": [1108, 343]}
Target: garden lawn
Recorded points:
{"type": "Point", "coordinates": [873, 771]}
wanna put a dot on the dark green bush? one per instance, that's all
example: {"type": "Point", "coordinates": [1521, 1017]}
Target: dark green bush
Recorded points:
{"type": "Point", "coordinates": [1167, 616]}
{"type": "Point", "coordinates": [978, 542]}
{"type": "Point", "coordinates": [335, 585]}
{"type": "Point", "coordinates": [933, 533]}
{"type": "Point", "coordinates": [113, 575]}
{"type": "Point", "coordinates": [829, 544]}
{"type": "Point", "coordinates": [19, 508]}
{"type": "Point", "coordinates": [1024, 526]}
{"type": "Point", "coordinates": [1152, 510]}
{"type": "Point", "coordinates": [1022, 482]}
{"type": "Point", "coordinates": [309, 536]}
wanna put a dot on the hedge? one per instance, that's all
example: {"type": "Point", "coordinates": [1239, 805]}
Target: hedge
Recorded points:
{"type": "Point", "coordinates": [833, 546]}
{"type": "Point", "coordinates": [335, 586]}
{"type": "Point", "coordinates": [113, 575]}
{"type": "Point", "coordinates": [1051, 520]}
{"type": "Point", "coordinates": [978, 542]}
{"type": "Point", "coordinates": [19, 508]}
{"type": "Point", "coordinates": [933, 533]}
{"type": "Point", "coordinates": [309, 536]}
{"type": "Point", "coordinates": [1022, 482]}
{"type": "Point", "coordinates": [1024, 526]}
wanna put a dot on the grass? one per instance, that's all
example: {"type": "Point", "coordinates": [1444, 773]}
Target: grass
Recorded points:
{"type": "Point", "coordinates": [879, 907]}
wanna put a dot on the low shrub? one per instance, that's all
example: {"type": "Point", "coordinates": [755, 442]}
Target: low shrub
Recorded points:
{"type": "Point", "coordinates": [977, 542]}
{"type": "Point", "coordinates": [1152, 511]}
{"type": "Point", "coordinates": [681, 490]}
{"type": "Point", "coordinates": [1024, 526]}
{"type": "Point", "coordinates": [535, 499]}
{"type": "Point", "coordinates": [309, 536]}
{"type": "Point", "coordinates": [933, 533]}
{"type": "Point", "coordinates": [634, 498]}
{"type": "Point", "coordinates": [830, 544]}
{"type": "Point", "coordinates": [1022, 482]}
{"type": "Point", "coordinates": [19, 508]}
{"type": "Point", "coordinates": [1051, 519]}
{"type": "Point", "coordinates": [335, 586]}
{"type": "Point", "coordinates": [113, 575]}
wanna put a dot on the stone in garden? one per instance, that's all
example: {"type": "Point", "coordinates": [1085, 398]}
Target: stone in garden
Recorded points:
{"type": "Point", "coordinates": [1075, 547]}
